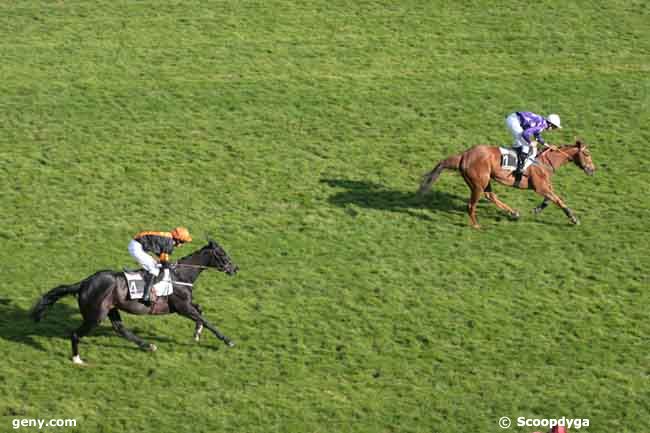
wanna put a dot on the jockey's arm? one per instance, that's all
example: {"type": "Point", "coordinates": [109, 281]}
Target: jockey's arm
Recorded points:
{"type": "Point", "coordinates": [164, 257]}
{"type": "Point", "coordinates": [166, 247]}
{"type": "Point", "coordinates": [531, 134]}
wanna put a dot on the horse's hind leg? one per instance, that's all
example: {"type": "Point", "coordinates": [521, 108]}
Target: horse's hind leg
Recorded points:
{"type": "Point", "coordinates": [471, 207]}
{"type": "Point", "coordinates": [501, 205]}
{"type": "Point", "coordinates": [118, 326]}
{"type": "Point", "coordinates": [477, 187]}
{"type": "Point", "coordinates": [92, 316]}
{"type": "Point", "coordinates": [83, 330]}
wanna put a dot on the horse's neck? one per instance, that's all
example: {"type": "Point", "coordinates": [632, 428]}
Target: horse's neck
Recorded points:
{"type": "Point", "coordinates": [190, 273]}
{"type": "Point", "coordinates": [558, 158]}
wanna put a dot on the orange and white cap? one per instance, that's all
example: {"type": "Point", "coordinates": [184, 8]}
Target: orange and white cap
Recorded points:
{"type": "Point", "coordinates": [181, 234]}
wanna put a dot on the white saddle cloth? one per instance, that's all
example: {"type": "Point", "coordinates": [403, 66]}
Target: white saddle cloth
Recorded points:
{"type": "Point", "coordinates": [509, 159]}
{"type": "Point", "coordinates": [135, 282]}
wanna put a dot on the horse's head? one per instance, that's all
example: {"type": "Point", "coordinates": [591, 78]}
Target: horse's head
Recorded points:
{"type": "Point", "coordinates": [582, 158]}
{"type": "Point", "coordinates": [218, 258]}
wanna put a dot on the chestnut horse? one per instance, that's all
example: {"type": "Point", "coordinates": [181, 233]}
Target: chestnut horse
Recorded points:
{"type": "Point", "coordinates": [480, 164]}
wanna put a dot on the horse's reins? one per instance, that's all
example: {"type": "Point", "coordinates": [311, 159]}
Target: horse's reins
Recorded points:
{"type": "Point", "coordinates": [569, 157]}
{"type": "Point", "coordinates": [194, 266]}
{"type": "Point", "coordinates": [198, 266]}
{"type": "Point", "coordinates": [181, 283]}
{"type": "Point", "coordinates": [209, 268]}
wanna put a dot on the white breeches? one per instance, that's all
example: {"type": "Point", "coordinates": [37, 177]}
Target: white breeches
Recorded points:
{"type": "Point", "coordinates": [145, 260]}
{"type": "Point", "coordinates": [514, 127]}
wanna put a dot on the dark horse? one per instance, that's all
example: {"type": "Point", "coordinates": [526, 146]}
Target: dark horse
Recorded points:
{"type": "Point", "coordinates": [105, 292]}
{"type": "Point", "coordinates": [481, 164]}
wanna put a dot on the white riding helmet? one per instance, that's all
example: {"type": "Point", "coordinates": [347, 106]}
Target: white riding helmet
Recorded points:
{"type": "Point", "coordinates": [554, 119]}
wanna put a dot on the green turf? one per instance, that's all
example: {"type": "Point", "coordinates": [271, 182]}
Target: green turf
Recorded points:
{"type": "Point", "coordinates": [296, 134]}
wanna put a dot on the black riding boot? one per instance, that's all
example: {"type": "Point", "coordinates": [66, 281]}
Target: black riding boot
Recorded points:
{"type": "Point", "coordinates": [521, 161]}
{"type": "Point", "coordinates": [148, 283]}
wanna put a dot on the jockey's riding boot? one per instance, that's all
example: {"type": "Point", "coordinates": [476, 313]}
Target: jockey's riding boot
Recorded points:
{"type": "Point", "coordinates": [521, 161]}
{"type": "Point", "coordinates": [148, 283]}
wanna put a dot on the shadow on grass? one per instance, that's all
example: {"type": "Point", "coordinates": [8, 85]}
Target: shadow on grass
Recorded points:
{"type": "Point", "coordinates": [17, 326]}
{"type": "Point", "coordinates": [376, 196]}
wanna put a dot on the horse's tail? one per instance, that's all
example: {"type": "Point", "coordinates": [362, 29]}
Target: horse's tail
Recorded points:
{"type": "Point", "coordinates": [451, 163]}
{"type": "Point", "coordinates": [38, 311]}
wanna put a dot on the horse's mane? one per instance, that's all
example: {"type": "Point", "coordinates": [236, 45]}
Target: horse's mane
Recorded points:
{"type": "Point", "coordinates": [212, 245]}
{"type": "Point", "coordinates": [561, 147]}
{"type": "Point", "coordinates": [193, 253]}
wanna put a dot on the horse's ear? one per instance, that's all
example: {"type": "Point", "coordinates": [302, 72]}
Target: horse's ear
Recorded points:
{"type": "Point", "coordinates": [579, 142]}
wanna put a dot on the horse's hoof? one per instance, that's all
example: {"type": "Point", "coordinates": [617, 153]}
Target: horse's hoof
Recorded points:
{"type": "Point", "coordinates": [515, 215]}
{"type": "Point", "coordinates": [537, 210]}
{"type": "Point", "coordinates": [575, 221]}
{"type": "Point", "coordinates": [77, 360]}
{"type": "Point", "coordinates": [152, 348]}
{"type": "Point", "coordinates": [476, 226]}
{"type": "Point", "coordinates": [197, 338]}
{"type": "Point", "coordinates": [230, 344]}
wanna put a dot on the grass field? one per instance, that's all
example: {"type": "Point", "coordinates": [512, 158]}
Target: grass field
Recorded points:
{"type": "Point", "coordinates": [296, 133]}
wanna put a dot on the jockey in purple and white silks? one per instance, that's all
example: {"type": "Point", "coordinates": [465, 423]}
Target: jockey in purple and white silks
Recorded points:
{"type": "Point", "coordinates": [526, 129]}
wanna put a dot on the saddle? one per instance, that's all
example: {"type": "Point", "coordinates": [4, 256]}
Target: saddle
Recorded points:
{"type": "Point", "coordinates": [135, 283]}
{"type": "Point", "coordinates": [509, 159]}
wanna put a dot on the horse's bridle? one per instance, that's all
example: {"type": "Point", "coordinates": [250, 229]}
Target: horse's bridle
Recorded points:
{"type": "Point", "coordinates": [220, 259]}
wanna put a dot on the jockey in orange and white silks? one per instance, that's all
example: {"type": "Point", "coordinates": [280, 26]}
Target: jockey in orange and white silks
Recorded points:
{"type": "Point", "coordinates": [159, 243]}
{"type": "Point", "coordinates": [526, 129]}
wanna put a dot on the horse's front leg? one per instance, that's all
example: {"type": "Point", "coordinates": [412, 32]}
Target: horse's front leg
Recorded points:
{"type": "Point", "coordinates": [541, 206]}
{"type": "Point", "coordinates": [550, 195]}
{"type": "Point", "coordinates": [199, 325]}
{"type": "Point", "coordinates": [187, 309]}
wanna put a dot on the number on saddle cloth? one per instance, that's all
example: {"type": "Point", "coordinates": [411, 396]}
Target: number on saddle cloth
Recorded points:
{"type": "Point", "coordinates": [509, 159]}
{"type": "Point", "coordinates": [135, 283]}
